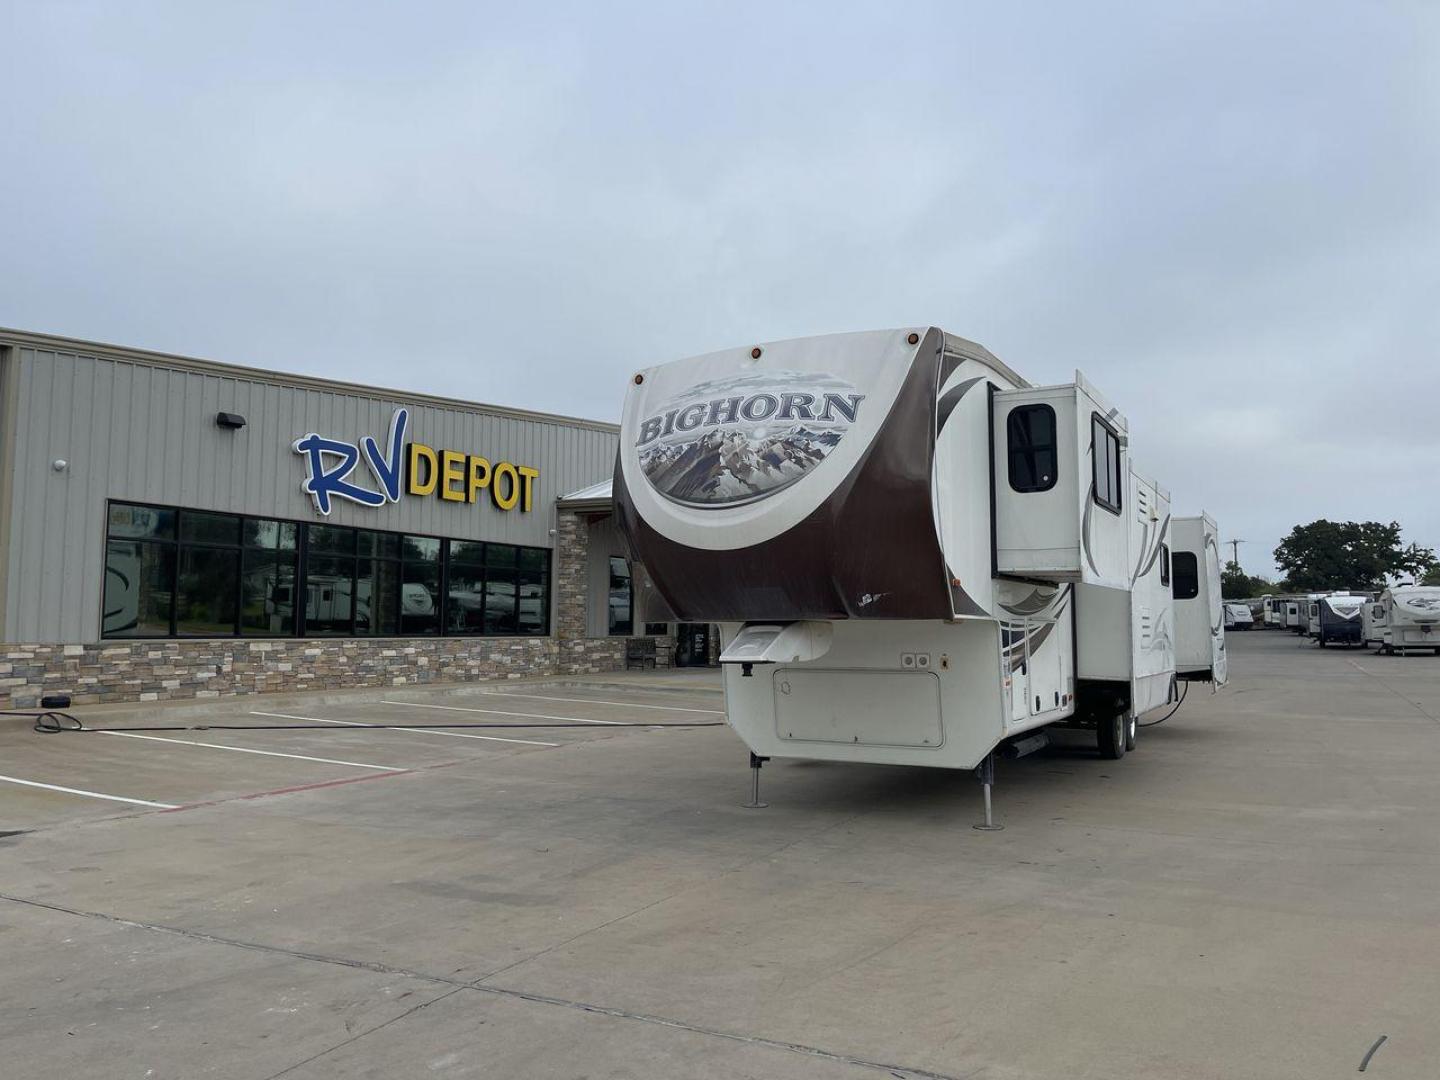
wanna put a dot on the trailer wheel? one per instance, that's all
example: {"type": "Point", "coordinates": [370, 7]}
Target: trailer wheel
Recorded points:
{"type": "Point", "coordinates": [1322, 641]}
{"type": "Point", "coordinates": [1132, 727]}
{"type": "Point", "coordinates": [1110, 736]}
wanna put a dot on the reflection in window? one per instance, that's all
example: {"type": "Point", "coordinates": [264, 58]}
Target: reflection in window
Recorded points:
{"type": "Point", "coordinates": [139, 584]}
{"type": "Point", "coordinates": [197, 573]}
{"type": "Point", "coordinates": [621, 620]}
{"type": "Point", "coordinates": [141, 522]}
{"type": "Point", "coordinates": [420, 586]}
{"type": "Point", "coordinates": [377, 596]}
{"type": "Point", "coordinates": [267, 593]}
{"type": "Point", "coordinates": [465, 601]}
{"type": "Point", "coordinates": [329, 592]}
{"type": "Point", "coordinates": [532, 589]}
{"type": "Point", "coordinates": [205, 592]}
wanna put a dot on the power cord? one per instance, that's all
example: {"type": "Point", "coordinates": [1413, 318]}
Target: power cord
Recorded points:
{"type": "Point", "coordinates": [55, 723]}
{"type": "Point", "coordinates": [50, 720]}
{"type": "Point", "coordinates": [1184, 692]}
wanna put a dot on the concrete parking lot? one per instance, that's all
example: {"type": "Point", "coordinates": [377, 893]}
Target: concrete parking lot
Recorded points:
{"type": "Point", "coordinates": [1255, 892]}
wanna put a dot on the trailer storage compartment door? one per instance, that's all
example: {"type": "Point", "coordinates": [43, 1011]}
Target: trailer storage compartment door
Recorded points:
{"type": "Point", "coordinates": [864, 708]}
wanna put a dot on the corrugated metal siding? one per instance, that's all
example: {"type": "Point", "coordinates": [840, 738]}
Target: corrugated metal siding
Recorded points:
{"type": "Point", "coordinates": [147, 433]}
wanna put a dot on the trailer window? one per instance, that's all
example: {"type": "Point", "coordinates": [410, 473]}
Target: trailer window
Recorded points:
{"type": "Point", "coordinates": [1105, 456]}
{"type": "Point", "coordinates": [1185, 573]}
{"type": "Point", "coordinates": [1164, 564]}
{"type": "Point", "coordinates": [1033, 451]}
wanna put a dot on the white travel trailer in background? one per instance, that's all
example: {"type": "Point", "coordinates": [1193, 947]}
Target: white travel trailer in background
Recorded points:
{"type": "Point", "coordinates": [1199, 611]}
{"type": "Point", "coordinates": [1239, 616]}
{"type": "Point", "coordinates": [1408, 617]}
{"type": "Point", "coordinates": [1297, 613]}
{"type": "Point", "coordinates": [1272, 612]}
{"type": "Point", "coordinates": [914, 554]}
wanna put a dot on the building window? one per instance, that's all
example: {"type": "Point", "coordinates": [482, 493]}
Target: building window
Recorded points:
{"type": "Point", "coordinates": [1032, 446]}
{"type": "Point", "coordinates": [183, 573]}
{"type": "Point", "coordinates": [657, 629]}
{"type": "Point", "coordinates": [267, 578]}
{"type": "Point", "coordinates": [139, 589]}
{"type": "Point", "coordinates": [420, 586]}
{"type": "Point", "coordinates": [621, 618]}
{"type": "Point", "coordinates": [377, 584]}
{"type": "Point", "coordinates": [1186, 575]}
{"type": "Point", "coordinates": [1164, 564]}
{"type": "Point", "coordinates": [1105, 451]}
{"type": "Point", "coordinates": [532, 589]}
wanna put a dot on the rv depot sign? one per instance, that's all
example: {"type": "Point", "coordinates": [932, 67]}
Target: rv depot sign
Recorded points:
{"type": "Point", "coordinates": [410, 468]}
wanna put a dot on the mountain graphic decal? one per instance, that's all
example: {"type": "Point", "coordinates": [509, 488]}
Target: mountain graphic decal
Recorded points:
{"type": "Point", "coordinates": [731, 441]}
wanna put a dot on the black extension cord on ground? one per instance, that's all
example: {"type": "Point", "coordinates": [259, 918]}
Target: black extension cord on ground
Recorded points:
{"type": "Point", "coordinates": [54, 722]}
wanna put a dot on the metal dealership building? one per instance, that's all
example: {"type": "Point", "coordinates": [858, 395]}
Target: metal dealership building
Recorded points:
{"type": "Point", "coordinates": [176, 528]}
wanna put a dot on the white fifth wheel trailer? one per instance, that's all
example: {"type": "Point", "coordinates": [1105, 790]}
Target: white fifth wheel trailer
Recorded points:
{"type": "Point", "coordinates": [1199, 609]}
{"type": "Point", "coordinates": [913, 554]}
{"type": "Point", "coordinates": [1409, 618]}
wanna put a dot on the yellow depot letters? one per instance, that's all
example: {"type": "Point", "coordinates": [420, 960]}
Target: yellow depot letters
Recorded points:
{"type": "Point", "coordinates": [457, 477]}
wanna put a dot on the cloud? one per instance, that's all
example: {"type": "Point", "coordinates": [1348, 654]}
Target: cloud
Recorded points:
{"type": "Point", "coordinates": [1225, 214]}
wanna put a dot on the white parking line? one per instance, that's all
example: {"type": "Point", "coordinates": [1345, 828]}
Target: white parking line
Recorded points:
{"type": "Point", "coordinates": [89, 794]}
{"type": "Point", "coordinates": [248, 750]}
{"type": "Point", "coordinates": [500, 712]}
{"type": "Point", "coordinates": [404, 731]}
{"type": "Point", "coordinates": [596, 701]}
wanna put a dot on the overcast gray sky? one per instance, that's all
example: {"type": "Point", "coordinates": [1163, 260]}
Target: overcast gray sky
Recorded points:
{"type": "Point", "coordinates": [1225, 214]}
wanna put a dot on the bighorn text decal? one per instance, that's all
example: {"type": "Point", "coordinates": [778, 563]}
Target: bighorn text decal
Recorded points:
{"type": "Point", "coordinates": [736, 440]}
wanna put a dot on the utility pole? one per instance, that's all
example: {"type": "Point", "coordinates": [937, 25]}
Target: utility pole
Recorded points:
{"type": "Point", "coordinates": [1235, 550]}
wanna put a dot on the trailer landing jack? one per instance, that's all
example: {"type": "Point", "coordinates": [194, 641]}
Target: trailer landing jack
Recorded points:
{"type": "Point", "coordinates": [985, 773]}
{"type": "Point", "coordinates": [755, 762]}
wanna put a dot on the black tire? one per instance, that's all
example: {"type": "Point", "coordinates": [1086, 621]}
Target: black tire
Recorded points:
{"type": "Point", "coordinates": [1132, 728]}
{"type": "Point", "coordinates": [1110, 737]}
{"type": "Point", "coordinates": [1322, 641]}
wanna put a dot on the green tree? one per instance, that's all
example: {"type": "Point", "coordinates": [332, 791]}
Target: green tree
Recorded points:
{"type": "Point", "coordinates": [1235, 584]}
{"type": "Point", "coordinates": [1431, 576]}
{"type": "Point", "coordinates": [1347, 554]}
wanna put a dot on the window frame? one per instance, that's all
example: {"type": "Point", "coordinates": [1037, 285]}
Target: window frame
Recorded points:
{"type": "Point", "coordinates": [525, 567]}
{"type": "Point", "coordinates": [1011, 450]}
{"type": "Point", "coordinates": [1117, 475]}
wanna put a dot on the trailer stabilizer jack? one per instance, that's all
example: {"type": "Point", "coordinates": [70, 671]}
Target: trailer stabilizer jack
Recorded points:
{"type": "Point", "coordinates": [985, 773]}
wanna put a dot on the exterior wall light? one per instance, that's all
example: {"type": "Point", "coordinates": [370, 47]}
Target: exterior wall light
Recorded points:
{"type": "Point", "coordinates": [233, 421]}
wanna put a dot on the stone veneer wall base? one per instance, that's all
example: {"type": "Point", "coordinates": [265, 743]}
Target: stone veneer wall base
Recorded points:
{"type": "Point", "coordinates": [123, 671]}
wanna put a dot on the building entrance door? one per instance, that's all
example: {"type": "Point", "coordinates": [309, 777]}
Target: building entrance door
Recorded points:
{"type": "Point", "coordinates": [693, 641]}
